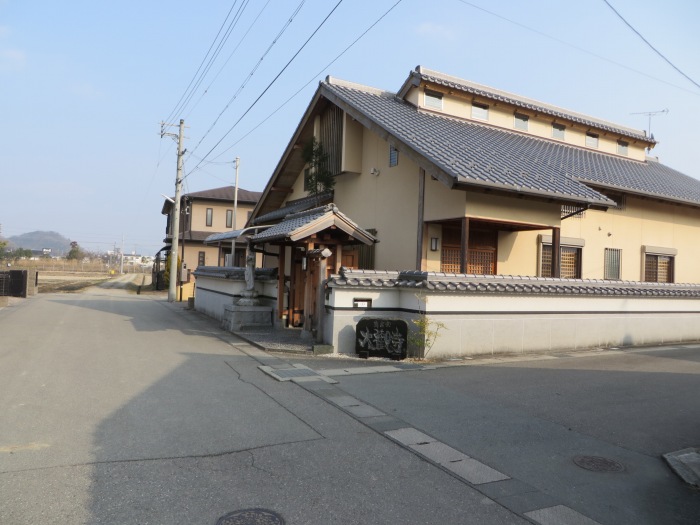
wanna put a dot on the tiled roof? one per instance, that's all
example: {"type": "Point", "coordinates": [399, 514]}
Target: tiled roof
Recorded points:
{"type": "Point", "coordinates": [525, 103]}
{"type": "Point", "coordinates": [296, 221]}
{"type": "Point", "coordinates": [226, 193]}
{"type": "Point", "coordinates": [481, 155]}
{"type": "Point", "coordinates": [507, 285]}
{"type": "Point", "coordinates": [291, 223]}
{"type": "Point", "coordinates": [295, 206]}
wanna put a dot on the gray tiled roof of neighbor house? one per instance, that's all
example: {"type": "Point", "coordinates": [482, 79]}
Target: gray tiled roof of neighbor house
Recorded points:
{"type": "Point", "coordinates": [507, 285]}
{"type": "Point", "coordinates": [481, 155]}
{"type": "Point", "coordinates": [473, 88]}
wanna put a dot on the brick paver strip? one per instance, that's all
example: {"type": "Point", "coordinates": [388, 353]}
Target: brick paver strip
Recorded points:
{"type": "Point", "coordinates": [559, 515]}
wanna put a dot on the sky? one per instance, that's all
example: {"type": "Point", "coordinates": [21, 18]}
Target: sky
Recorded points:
{"type": "Point", "coordinates": [84, 86]}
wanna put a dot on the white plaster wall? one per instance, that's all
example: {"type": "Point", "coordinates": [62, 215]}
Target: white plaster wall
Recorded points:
{"type": "Point", "coordinates": [492, 324]}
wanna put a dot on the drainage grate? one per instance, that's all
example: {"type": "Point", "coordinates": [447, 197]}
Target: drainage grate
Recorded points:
{"type": "Point", "coordinates": [251, 517]}
{"type": "Point", "coordinates": [598, 464]}
{"type": "Point", "coordinates": [295, 372]}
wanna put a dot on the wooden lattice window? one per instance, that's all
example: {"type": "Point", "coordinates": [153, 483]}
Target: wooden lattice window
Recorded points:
{"type": "Point", "coordinates": [658, 268]}
{"type": "Point", "coordinates": [450, 260]}
{"type": "Point", "coordinates": [481, 262]}
{"type": "Point", "coordinates": [570, 259]}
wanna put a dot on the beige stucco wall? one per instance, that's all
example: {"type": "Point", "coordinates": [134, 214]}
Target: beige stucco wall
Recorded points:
{"type": "Point", "coordinates": [198, 215]}
{"type": "Point", "coordinates": [502, 115]}
{"type": "Point", "coordinates": [642, 223]}
{"type": "Point", "coordinates": [387, 202]}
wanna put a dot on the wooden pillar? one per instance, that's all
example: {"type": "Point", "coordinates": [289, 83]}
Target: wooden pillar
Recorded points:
{"type": "Point", "coordinates": [338, 258]}
{"type": "Point", "coordinates": [280, 282]}
{"type": "Point", "coordinates": [464, 253]}
{"type": "Point", "coordinates": [421, 213]}
{"type": "Point", "coordinates": [556, 252]}
{"type": "Point", "coordinates": [321, 296]}
{"type": "Point", "coordinates": [308, 289]}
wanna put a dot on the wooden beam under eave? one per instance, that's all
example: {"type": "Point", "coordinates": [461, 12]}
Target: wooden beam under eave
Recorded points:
{"type": "Point", "coordinates": [281, 190]}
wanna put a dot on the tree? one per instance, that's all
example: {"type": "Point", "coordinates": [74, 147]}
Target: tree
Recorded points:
{"type": "Point", "coordinates": [75, 252]}
{"type": "Point", "coordinates": [3, 249]}
{"type": "Point", "coordinates": [317, 177]}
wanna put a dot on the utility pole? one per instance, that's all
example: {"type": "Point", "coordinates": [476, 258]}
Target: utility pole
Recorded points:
{"type": "Point", "coordinates": [235, 194]}
{"type": "Point", "coordinates": [174, 277]}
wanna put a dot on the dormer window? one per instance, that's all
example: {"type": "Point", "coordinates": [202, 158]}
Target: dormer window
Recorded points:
{"type": "Point", "coordinates": [591, 140]}
{"type": "Point", "coordinates": [433, 99]}
{"type": "Point", "coordinates": [520, 121]}
{"type": "Point", "coordinates": [558, 131]}
{"type": "Point", "coordinates": [622, 147]}
{"type": "Point", "coordinates": [480, 111]}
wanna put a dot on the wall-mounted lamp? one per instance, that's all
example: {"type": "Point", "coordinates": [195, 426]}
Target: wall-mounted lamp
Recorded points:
{"type": "Point", "coordinates": [433, 244]}
{"type": "Point", "coordinates": [374, 171]}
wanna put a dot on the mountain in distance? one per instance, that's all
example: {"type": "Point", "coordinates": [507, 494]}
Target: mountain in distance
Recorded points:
{"type": "Point", "coordinates": [39, 240]}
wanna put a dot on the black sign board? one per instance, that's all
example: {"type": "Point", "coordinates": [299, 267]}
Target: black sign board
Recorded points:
{"type": "Point", "coordinates": [379, 337]}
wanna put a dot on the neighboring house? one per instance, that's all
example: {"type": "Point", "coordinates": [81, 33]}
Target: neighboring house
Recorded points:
{"type": "Point", "coordinates": [452, 176]}
{"type": "Point", "coordinates": [204, 213]}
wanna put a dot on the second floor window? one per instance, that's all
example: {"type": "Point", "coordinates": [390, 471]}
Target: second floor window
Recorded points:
{"type": "Point", "coordinates": [558, 131]}
{"type": "Point", "coordinates": [622, 147]}
{"type": "Point", "coordinates": [229, 218]}
{"type": "Point", "coordinates": [480, 111]}
{"type": "Point", "coordinates": [520, 121]}
{"type": "Point", "coordinates": [433, 99]}
{"type": "Point", "coordinates": [591, 140]}
{"type": "Point", "coordinates": [210, 216]}
{"type": "Point", "coordinates": [393, 157]}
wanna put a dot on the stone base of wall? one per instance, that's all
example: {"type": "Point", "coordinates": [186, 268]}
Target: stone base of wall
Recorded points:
{"type": "Point", "coordinates": [239, 318]}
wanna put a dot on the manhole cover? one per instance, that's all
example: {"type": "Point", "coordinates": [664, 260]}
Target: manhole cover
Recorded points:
{"type": "Point", "coordinates": [251, 517]}
{"type": "Point", "coordinates": [598, 464]}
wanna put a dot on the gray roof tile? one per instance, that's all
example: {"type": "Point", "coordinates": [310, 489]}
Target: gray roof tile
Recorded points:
{"type": "Point", "coordinates": [482, 155]}
{"type": "Point", "coordinates": [508, 285]}
{"type": "Point", "coordinates": [295, 206]}
{"type": "Point", "coordinates": [525, 103]}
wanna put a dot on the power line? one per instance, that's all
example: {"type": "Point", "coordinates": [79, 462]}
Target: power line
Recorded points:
{"type": "Point", "coordinates": [312, 78]}
{"type": "Point", "coordinates": [197, 77]}
{"type": "Point", "coordinates": [251, 73]}
{"type": "Point", "coordinates": [569, 44]}
{"type": "Point", "coordinates": [270, 84]}
{"type": "Point", "coordinates": [649, 44]}
{"type": "Point", "coordinates": [250, 27]}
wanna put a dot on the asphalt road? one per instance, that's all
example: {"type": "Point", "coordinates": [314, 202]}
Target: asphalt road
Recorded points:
{"type": "Point", "coordinates": [122, 408]}
{"type": "Point", "coordinates": [532, 418]}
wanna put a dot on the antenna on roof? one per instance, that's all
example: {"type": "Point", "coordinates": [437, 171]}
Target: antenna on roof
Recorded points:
{"type": "Point", "coordinates": [650, 114]}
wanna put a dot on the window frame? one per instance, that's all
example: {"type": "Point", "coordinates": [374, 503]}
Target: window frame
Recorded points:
{"type": "Point", "coordinates": [478, 107]}
{"type": "Point", "coordinates": [623, 147]}
{"type": "Point", "coordinates": [201, 258]}
{"type": "Point", "coordinates": [558, 128]}
{"type": "Point", "coordinates": [612, 264]}
{"type": "Point", "coordinates": [569, 244]}
{"type": "Point", "coordinates": [393, 156]}
{"type": "Point", "coordinates": [521, 122]}
{"type": "Point", "coordinates": [209, 219]}
{"type": "Point", "coordinates": [433, 99]}
{"type": "Point", "coordinates": [592, 140]}
{"type": "Point", "coordinates": [654, 255]}
{"type": "Point", "coordinates": [229, 218]}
